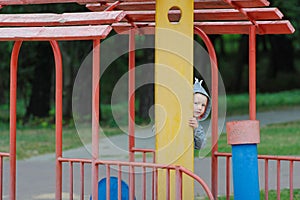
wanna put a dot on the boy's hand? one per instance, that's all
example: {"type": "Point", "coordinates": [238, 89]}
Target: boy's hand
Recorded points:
{"type": "Point", "coordinates": [193, 123]}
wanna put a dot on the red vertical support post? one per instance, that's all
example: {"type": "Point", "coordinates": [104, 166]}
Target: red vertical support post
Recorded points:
{"type": "Point", "coordinates": [82, 180]}
{"type": "Point", "coordinates": [178, 183]}
{"type": "Point", "coordinates": [252, 72]}
{"type": "Point", "coordinates": [95, 116]}
{"type": "Point", "coordinates": [214, 112]}
{"type": "Point", "coordinates": [278, 179]}
{"type": "Point", "coordinates": [108, 182]}
{"type": "Point", "coordinates": [1, 177]}
{"type": "Point", "coordinates": [58, 116]}
{"type": "Point", "coordinates": [71, 180]}
{"type": "Point", "coordinates": [228, 178]}
{"type": "Point", "coordinates": [266, 179]}
{"type": "Point", "coordinates": [13, 117]}
{"type": "Point", "coordinates": [291, 179]}
{"type": "Point", "coordinates": [119, 181]}
{"type": "Point", "coordinates": [131, 93]}
{"type": "Point", "coordinates": [244, 137]}
{"type": "Point", "coordinates": [214, 116]}
{"type": "Point", "coordinates": [144, 182]}
{"type": "Point", "coordinates": [131, 112]}
{"type": "Point", "coordinates": [168, 184]}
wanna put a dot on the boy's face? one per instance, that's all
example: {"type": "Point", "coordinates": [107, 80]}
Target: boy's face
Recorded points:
{"type": "Point", "coordinates": [200, 102]}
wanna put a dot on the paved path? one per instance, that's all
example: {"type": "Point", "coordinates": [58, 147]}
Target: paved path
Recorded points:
{"type": "Point", "coordinates": [36, 176]}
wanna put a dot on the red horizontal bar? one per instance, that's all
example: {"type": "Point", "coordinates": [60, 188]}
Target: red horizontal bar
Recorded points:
{"type": "Point", "coordinates": [287, 158]}
{"type": "Point", "coordinates": [3, 154]}
{"type": "Point", "coordinates": [233, 14]}
{"type": "Point", "coordinates": [24, 2]}
{"type": "Point", "coordinates": [223, 154]}
{"type": "Point", "coordinates": [268, 157]}
{"type": "Point", "coordinates": [79, 160]}
{"type": "Point", "coordinates": [123, 6]}
{"type": "Point", "coordinates": [223, 4]}
{"type": "Point", "coordinates": [83, 18]}
{"type": "Point", "coordinates": [143, 150]}
{"type": "Point", "coordinates": [235, 27]}
{"type": "Point", "coordinates": [136, 164]}
{"type": "Point", "coordinates": [211, 14]}
{"type": "Point", "coordinates": [54, 33]}
{"type": "Point", "coordinates": [198, 4]}
{"type": "Point", "coordinates": [264, 27]}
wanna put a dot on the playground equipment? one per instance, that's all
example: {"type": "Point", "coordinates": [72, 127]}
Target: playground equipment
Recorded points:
{"type": "Point", "coordinates": [201, 17]}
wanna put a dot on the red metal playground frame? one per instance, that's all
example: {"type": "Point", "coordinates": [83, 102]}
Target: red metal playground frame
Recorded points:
{"type": "Point", "coordinates": [96, 26]}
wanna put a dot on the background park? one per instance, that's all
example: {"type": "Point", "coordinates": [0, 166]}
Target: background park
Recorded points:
{"type": "Point", "coordinates": [278, 70]}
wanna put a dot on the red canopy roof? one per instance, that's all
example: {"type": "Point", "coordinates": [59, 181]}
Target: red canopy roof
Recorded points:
{"type": "Point", "coordinates": [212, 16]}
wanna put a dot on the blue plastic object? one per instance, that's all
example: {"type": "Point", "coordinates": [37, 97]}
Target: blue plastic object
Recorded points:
{"type": "Point", "coordinates": [245, 172]}
{"type": "Point", "coordinates": [113, 189]}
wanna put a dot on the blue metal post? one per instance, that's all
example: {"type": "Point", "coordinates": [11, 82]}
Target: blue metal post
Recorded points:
{"type": "Point", "coordinates": [244, 136]}
{"type": "Point", "coordinates": [245, 172]}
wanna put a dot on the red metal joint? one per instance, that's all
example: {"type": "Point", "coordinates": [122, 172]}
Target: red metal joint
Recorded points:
{"type": "Point", "coordinates": [243, 132]}
{"type": "Point", "coordinates": [112, 6]}
{"type": "Point", "coordinates": [241, 10]}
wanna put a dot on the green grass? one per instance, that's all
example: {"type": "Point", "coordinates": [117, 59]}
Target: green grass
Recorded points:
{"type": "Point", "coordinates": [238, 103]}
{"type": "Point", "coordinates": [284, 195]}
{"type": "Point", "coordinates": [276, 139]}
{"type": "Point", "coordinates": [38, 136]}
{"type": "Point", "coordinates": [37, 141]}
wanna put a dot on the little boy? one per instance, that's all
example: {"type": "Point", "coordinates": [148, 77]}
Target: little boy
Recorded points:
{"type": "Point", "coordinates": [202, 107]}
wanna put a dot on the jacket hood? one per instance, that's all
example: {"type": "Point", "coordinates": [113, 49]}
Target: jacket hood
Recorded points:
{"type": "Point", "coordinates": [198, 88]}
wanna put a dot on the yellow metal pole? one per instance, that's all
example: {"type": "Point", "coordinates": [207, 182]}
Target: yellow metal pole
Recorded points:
{"type": "Point", "coordinates": [174, 93]}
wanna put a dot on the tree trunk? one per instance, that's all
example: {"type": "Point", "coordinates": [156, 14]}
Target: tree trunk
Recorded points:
{"type": "Point", "coordinates": [146, 93]}
{"type": "Point", "coordinates": [146, 100]}
{"type": "Point", "coordinates": [73, 53]}
{"type": "Point", "coordinates": [282, 55]}
{"type": "Point", "coordinates": [240, 61]}
{"type": "Point", "coordinates": [39, 104]}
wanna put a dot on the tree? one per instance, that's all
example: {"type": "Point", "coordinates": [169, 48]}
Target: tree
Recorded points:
{"type": "Point", "coordinates": [39, 103]}
{"type": "Point", "coordinates": [282, 55]}
{"type": "Point", "coordinates": [146, 92]}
